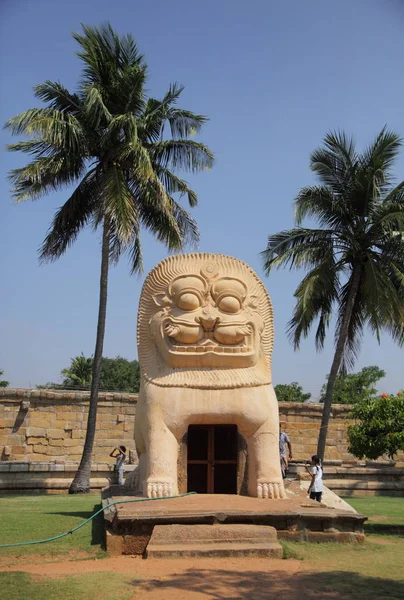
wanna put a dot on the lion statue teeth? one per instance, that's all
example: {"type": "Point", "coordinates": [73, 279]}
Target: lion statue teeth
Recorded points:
{"type": "Point", "coordinates": [205, 339]}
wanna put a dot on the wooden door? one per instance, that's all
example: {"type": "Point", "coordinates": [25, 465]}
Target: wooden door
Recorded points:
{"type": "Point", "coordinates": [212, 459]}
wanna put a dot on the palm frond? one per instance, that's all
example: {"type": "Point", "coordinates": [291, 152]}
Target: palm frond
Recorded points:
{"type": "Point", "coordinates": [151, 123]}
{"type": "Point", "coordinates": [353, 339]}
{"type": "Point", "coordinates": [134, 159]}
{"type": "Point", "coordinates": [71, 218]}
{"type": "Point", "coordinates": [374, 175]}
{"type": "Point", "coordinates": [321, 203]}
{"type": "Point", "coordinates": [315, 297]}
{"type": "Point", "coordinates": [185, 155]}
{"type": "Point", "coordinates": [383, 292]}
{"type": "Point", "coordinates": [45, 174]}
{"type": "Point", "coordinates": [382, 152]}
{"type": "Point", "coordinates": [296, 248]}
{"type": "Point", "coordinates": [186, 224]}
{"type": "Point", "coordinates": [335, 164]}
{"type": "Point", "coordinates": [34, 147]}
{"type": "Point", "coordinates": [387, 219]}
{"type": "Point", "coordinates": [95, 110]}
{"type": "Point", "coordinates": [58, 97]}
{"type": "Point", "coordinates": [135, 253]}
{"type": "Point", "coordinates": [174, 184]}
{"type": "Point", "coordinates": [60, 129]}
{"type": "Point", "coordinates": [108, 59]}
{"type": "Point", "coordinates": [118, 203]}
{"type": "Point", "coordinates": [122, 128]}
{"type": "Point", "coordinates": [342, 146]}
{"type": "Point", "coordinates": [155, 212]}
{"type": "Point", "coordinates": [184, 123]}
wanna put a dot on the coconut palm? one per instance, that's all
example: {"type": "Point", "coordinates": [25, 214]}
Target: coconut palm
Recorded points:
{"type": "Point", "coordinates": [121, 150]}
{"type": "Point", "coordinates": [79, 373]}
{"type": "Point", "coordinates": [356, 257]}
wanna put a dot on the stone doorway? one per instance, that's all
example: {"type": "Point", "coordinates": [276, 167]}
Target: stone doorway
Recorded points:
{"type": "Point", "coordinates": [212, 459]}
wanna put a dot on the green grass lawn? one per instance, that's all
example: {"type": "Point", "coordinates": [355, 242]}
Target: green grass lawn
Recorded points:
{"type": "Point", "coordinates": [380, 509]}
{"type": "Point", "coordinates": [30, 518]}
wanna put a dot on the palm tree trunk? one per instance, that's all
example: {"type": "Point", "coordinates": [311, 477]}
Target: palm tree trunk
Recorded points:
{"type": "Point", "coordinates": [81, 481]}
{"type": "Point", "coordinates": [336, 363]}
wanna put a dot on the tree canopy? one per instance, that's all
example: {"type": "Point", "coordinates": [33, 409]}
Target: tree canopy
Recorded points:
{"type": "Point", "coordinates": [120, 374]}
{"type": "Point", "coordinates": [354, 387]}
{"type": "Point", "coordinates": [291, 392]}
{"type": "Point", "coordinates": [117, 374]}
{"type": "Point", "coordinates": [3, 383]}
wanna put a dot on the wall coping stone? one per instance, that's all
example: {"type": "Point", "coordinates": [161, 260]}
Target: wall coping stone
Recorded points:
{"type": "Point", "coordinates": [17, 394]}
{"type": "Point", "coordinates": [32, 466]}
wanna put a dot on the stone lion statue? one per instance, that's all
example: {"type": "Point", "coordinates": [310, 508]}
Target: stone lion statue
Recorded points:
{"type": "Point", "coordinates": [205, 339]}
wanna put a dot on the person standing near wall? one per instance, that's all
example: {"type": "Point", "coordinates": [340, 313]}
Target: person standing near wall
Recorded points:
{"type": "Point", "coordinates": [284, 441]}
{"type": "Point", "coordinates": [119, 453]}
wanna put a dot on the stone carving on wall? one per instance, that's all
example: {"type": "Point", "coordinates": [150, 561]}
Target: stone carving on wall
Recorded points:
{"type": "Point", "coordinates": [205, 339]}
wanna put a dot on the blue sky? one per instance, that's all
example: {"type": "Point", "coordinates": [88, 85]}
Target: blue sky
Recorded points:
{"type": "Point", "coordinates": [273, 77]}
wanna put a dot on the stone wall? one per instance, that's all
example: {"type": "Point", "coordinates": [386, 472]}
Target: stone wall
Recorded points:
{"type": "Point", "coordinates": [43, 425]}
{"type": "Point", "coordinates": [302, 424]}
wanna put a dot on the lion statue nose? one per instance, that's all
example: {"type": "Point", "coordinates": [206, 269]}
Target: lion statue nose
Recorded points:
{"type": "Point", "coordinates": [208, 322]}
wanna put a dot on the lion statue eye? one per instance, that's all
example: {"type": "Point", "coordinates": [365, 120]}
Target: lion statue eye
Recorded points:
{"type": "Point", "coordinates": [188, 301]}
{"type": "Point", "coordinates": [229, 304]}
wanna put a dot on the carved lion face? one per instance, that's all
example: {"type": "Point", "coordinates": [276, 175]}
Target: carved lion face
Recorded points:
{"type": "Point", "coordinates": [207, 322]}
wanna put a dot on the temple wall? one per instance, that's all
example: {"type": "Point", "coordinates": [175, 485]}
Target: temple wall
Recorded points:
{"type": "Point", "coordinates": [43, 425]}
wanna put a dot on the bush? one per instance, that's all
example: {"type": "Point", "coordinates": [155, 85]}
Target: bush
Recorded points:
{"type": "Point", "coordinates": [380, 427]}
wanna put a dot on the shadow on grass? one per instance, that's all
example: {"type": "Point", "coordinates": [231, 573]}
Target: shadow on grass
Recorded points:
{"type": "Point", "coordinates": [97, 524]}
{"type": "Point", "coordinates": [260, 585]}
{"type": "Point", "coordinates": [384, 529]}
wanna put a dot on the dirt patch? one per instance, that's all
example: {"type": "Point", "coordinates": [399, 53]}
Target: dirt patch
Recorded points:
{"type": "Point", "coordinates": [15, 562]}
{"type": "Point", "coordinates": [214, 579]}
{"type": "Point", "coordinates": [381, 541]}
{"type": "Point", "coordinates": [150, 568]}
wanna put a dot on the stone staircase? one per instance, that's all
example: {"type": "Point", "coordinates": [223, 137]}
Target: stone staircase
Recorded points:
{"type": "Point", "coordinates": [174, 541]}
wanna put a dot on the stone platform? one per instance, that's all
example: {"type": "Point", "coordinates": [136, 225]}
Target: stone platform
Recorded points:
{"type": "Point", "coordinates": [129, 526]}
{"type": "Point", "coordinates": [175, 541]}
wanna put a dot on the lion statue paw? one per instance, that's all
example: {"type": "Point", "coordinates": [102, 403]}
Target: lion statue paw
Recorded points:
{"type": "Point", "coordinates": [159, 489]}
{"type": "Point", "coordinates": [272, 490]}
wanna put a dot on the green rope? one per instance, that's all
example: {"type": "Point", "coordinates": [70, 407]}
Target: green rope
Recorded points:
{"type": "Point", "coordinates": [57, 537]}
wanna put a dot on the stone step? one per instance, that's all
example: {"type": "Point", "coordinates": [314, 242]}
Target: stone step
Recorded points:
{"type": "Point", "coordinates": [213, 540]}
{"type": "Point", "coordinates": [220, 550]}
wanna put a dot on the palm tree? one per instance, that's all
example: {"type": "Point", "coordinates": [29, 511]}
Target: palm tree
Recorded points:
{"type": "Point", "coordinates": [112, 141]}
{"type": "Point", "coordinates": [79, 373]}
{"type": "Point", "coordinates": [356, 258]}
